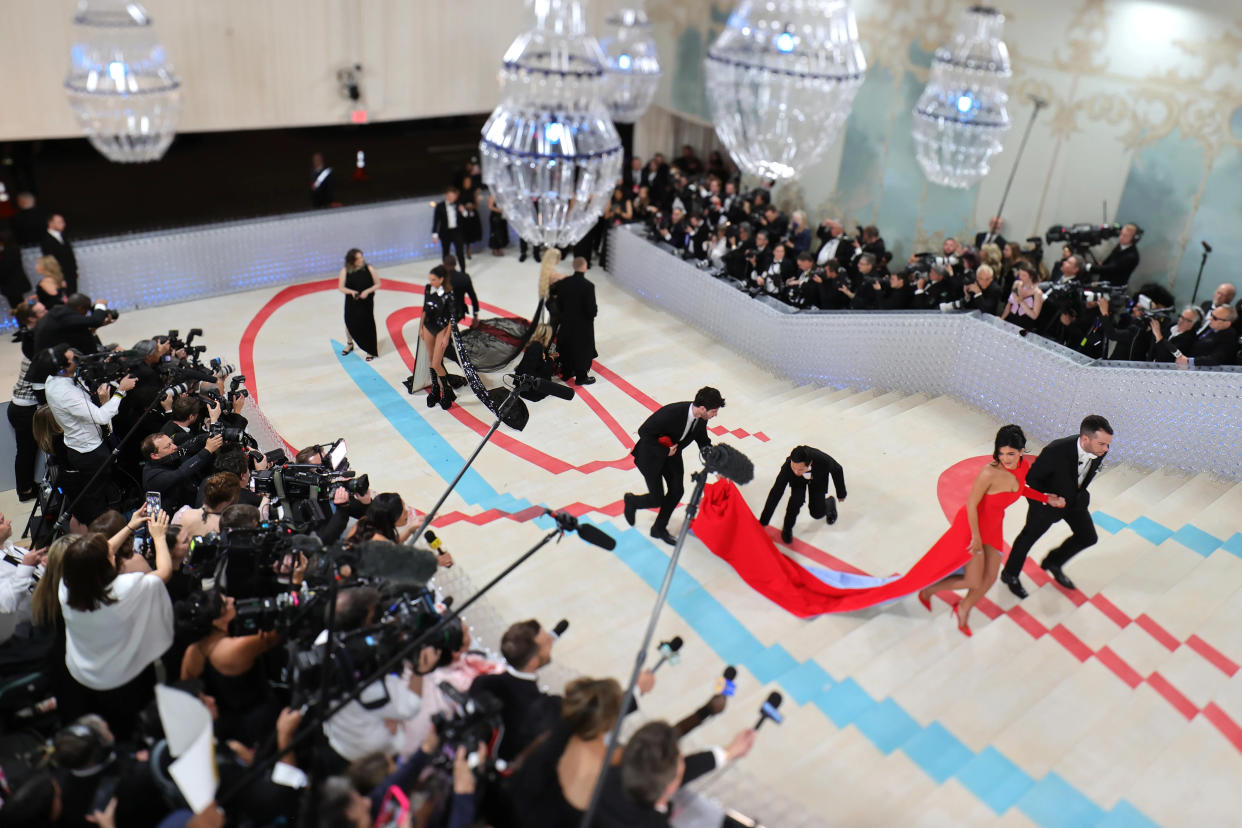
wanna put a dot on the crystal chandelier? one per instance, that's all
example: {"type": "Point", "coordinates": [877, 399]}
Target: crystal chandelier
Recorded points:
{"type": "Point", "coordinates": [632, 71]}
{"type": "Point", "coordinates": [960, 118]}
{"type": "Point", "coordinates": [550, 153]}
{"type": "Point", "coordinates": [781, 79]}
{"type": "Point", "coordinates": [120, 85]}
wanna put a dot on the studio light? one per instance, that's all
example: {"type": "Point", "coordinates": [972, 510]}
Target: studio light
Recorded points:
{"type": "Point", "coordinates": [632, 67]}
{"type": "Point", "coordinates": [781, 79]}
{"type": "Point", "coordinates": [550, 153]}
{"type": "Point", "coordinates": [120, 84]}
{"type": "Point", "coordinates": [960, 118]}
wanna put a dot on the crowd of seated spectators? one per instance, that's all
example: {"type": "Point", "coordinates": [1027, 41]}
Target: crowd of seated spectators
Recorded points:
{"type": "Point", "coordinates": [700, 212]}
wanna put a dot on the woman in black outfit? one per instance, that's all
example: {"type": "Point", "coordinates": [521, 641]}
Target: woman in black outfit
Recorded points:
{"type": "Point", "coordinates": [498, 227]}
{"type": "Point", "coordinates": [434, 331]}
{"type": "Point", "coordinates": [469, 201]}
{"type": "Point", "coordinates": [359, 283]}
{"type": "Point", "coordinates": [537, 360]}
{"type": "Point", "coordinates": [51, 288]}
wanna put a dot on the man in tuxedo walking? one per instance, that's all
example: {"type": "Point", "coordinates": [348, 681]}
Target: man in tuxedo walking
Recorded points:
{"type": "Point", "coordinates": [805, 468]}
{"type": "Point", "coordinates": [657, 454]}
{"type": "Point", "coordinates": [446, 226]}
{"type": "Point", "coordinates": [56, 245]}
{"type": "Point", "coordinates": [1065, 467]}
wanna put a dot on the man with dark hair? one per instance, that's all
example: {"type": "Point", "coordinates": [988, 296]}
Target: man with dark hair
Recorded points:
{"type": "Point", "coordinates": [1065, 467]}
{"type": "Point", "coordinates": [185, 419]}
{"type": "Point", "coordinates": [240, 516]}
{"type": "Point", "coordinates": [73, 323]}
{"type": "Point", "coordinates": [805, 468]}
{"type": "Point", "coordinates": [447, 225]}
{"type": "Point", "coordinates": [652, 770]}
{"type": "Point", "coordinates": [176, 474]}
{"type": "Point", "coordinates": [55, 244]}
{"type": "Point", "coordinates": [527, 711]}
{"type": "Point", "coordinates": [657, 455]}
{"type": "Point", "coordinates": [575, 335]}
{"type": "Point", "coordinates": [463, 287]}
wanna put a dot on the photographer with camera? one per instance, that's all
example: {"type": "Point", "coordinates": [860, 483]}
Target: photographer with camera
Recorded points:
{"type": "Point", "coordinates": [1179, 337]}
{"type": "Point", "coordinates": [937, 288]}
{"type": "Point", "coordinates": [83, 422]}
{"type": "Point", "coordinates": [74, 323]}
{"type": "Point", "coordinates": [185, 420]}
{"type": "Point", "coordinates": [1121, 261]}
{"type": "Point", "coordinates": [772, 278]}
{"type": "Point", "coordinates": [983, 294]}
{"type": "Point", "coordinates": [177, 472]}
{"type": "Point", "coordinates": [1216, 345]}
{"type": "Point", "coordinates": [20, 570]}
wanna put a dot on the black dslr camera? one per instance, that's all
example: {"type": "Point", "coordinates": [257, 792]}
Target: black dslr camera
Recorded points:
{"type": "Point", "coordinates": [1082, 237]}
{"type": "Point", "coordinates": [480, 716]}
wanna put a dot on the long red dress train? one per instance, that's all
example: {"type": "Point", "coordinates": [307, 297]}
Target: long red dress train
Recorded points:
{"type": "Point", "coordinates": [729, 529]}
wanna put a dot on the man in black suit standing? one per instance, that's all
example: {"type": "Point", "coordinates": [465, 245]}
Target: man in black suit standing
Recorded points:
{"type": "Point", "coordinates": [992, 235]}
{"type": "Point", "coordinates": [56, 245]}
{"type": "Point", "coordinates": [805, 468]}
{"type": "Point", "coordinates": [575, 335]}
{"type": "Point", "coordinates": [657, 454]}
{"type": "Point", "coordinates": [1121, 261]}
{"type": "Point", "coordinates": [1065, 467]}
{"type": "Point", "coordinates": [446, 225]}
{"type": "Point", "coordinates": [323, 183]}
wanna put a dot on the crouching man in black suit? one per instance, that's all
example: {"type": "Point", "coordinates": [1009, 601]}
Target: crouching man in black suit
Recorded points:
{"type": "Point", "coordinates": [805, 468]}
{"type": "Point", "coordinates": [657, 454]}
{"type": "Point", "coordinates": [1065, 467]}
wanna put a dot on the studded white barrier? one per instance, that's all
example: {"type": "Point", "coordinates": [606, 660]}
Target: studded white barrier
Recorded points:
{"type": "Point", "coordinates": [1163, 416]}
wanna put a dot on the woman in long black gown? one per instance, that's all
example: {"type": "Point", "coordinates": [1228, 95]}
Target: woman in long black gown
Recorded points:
{"type": "Point", "coordinates": [359, 283]}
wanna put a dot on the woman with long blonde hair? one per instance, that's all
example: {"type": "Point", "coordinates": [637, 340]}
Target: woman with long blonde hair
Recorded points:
{"type": "Point", "coordinates": [51, 288]}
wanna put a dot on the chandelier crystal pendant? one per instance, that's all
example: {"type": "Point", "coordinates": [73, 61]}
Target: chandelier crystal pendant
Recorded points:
{"type": "Point", "coordinates": [550, 153]}
{"type": "Point", "coordinates": [632, 71]}
{"type": "Point", "coordinates": [781, 80]}
{"type": "Point", "coordinates": [960, 118]}
{"type": "Point", "coordinates": [120, 84]}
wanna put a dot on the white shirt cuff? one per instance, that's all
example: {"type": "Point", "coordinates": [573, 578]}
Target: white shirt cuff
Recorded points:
{"type": "Point", "coordinates": [288, 775]}
{"type": "Point", "coordinates": [720, 755]}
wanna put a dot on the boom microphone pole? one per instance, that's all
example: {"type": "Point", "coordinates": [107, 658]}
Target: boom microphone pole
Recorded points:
{"type": "Point", "coordinates": [717, 459]}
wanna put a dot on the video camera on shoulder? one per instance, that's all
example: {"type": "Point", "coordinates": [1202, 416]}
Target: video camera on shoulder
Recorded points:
{"type": "Point", "coordinates": [1082, 237]}
{"type": "Point", "coordinates": [106, 367]}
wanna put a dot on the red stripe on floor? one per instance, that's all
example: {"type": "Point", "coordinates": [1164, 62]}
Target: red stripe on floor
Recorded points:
{"type": "Point", "coordinates": [1071, 642]}
{"type": "Point", "coordinates": [1214, 656]}
{"type": "Point", "coordinates": [1227, 726]}
{"type": "Point", "coordinates": [1172, 695]}
{"type": "Point", "coordinates": [1157, 632]}
{"type": "Point", "coordinates": [1124, 671]}
{"type": "Point", "coordinates": [1028, 622]}
{"type": "Point", "coordinates": [1110, 610]}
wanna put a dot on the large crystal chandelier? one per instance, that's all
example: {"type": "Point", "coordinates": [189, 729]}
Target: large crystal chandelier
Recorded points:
{"type": "Point", "coordinates": [632, 72]}
{"type": "Point", "coordinates": [550, 153]}
{"type": "Point", "coordinates": [120, 85]}
{"type": "Point", "coordinates": [781, 79]}
{"type": "Point", "coordinates": [960, 118]}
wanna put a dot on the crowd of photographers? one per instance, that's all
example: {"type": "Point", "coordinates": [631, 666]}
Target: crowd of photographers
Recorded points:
{"type": "Point", "coordinates": [699, 212]}
{"type": "Point", "coordinates": [284, 595]}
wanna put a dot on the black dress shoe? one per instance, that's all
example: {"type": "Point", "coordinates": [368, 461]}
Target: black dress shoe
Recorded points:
{"type": "Point", "coordinates": [830, 507]}
{"type": "Point", "coordinates": [26, 497]}
{"type": "Point", "coordinates": [408, 382]}
{"type": "Point", "coordinates": [1057, 575]}
{"type": "Point", "coordinates": [662, 534]}
{"type": "Point", "coordinates": [787, 536]}
{"type": "Point", "coordinates": [587, 381]}
{"type": "Point", "coordinates": [1015, 585]}
{"type": "Point", "coordinates": [630, 509]}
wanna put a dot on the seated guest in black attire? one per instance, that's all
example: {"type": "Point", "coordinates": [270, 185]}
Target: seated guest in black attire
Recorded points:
{"type": "Point", "coordinates": [1179, 337]}
{"type": "Point", "coordinates": [862, 295]}
{"type": "Point", "coordinates": [871, 241]}
{"type": "Point", "coordinates": [176, 475]}
{"type": "Point", "coordinates": [774, 222]}
{"type": "Point", "coordinates": [937, 288]}
{"type": "Point", "coordinates": [984, 294]}
{"type": "Point", "coordinates": [528, 711]}
{"type": "Point", "coordinates": [673, 229]}
{"type": "Point", "coordinates": [698, 236]}
{"type": "Point", "coordinates": [1218, 345]}
{"type": "Point", "coordinates": [898, 294]}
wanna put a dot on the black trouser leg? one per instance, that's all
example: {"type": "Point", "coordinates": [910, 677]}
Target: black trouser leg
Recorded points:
{"type": "Point", "coordinates": [96, 498]}
{"type": "Point", "coordinates": [1038, 519]}
{"type": "Point", "coordinates": [459, 245]}
{"type": "Point", "coordinates": [446, 243]}
{"type": "Point", "coordinates": [774, 497]}
{"type": "Point", "coordinates": [797, 496]}
{"type": "Point", "coordinates": [664, 490]}
{"type": "Point", "coordinates": [817, 498]}
{"type": "Point", "coordinates": [21, 417]}
{"type": "Point", "coordinates": [1078, 520]}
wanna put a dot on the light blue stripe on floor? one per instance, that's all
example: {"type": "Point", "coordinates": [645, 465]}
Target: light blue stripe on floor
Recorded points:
{"type": "Point", "coordinates": [1197, 540]}
{"type": "Point", "coordinates": [998, 782]}
{"type": "Point", "coordinates": [1150, 531]}
{"type": "Point", "coordinates": [1054, 803]}
{"type": "Point", "coordinates": [1108, 523]}
{"type": "Point", "coordinates": [938, 752]}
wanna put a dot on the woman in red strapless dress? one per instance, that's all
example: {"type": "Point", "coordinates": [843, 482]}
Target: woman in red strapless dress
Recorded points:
{"type": "Point", "coordinates": [966, 556]}
{"type": "Point", "coordinates": [979, 524]}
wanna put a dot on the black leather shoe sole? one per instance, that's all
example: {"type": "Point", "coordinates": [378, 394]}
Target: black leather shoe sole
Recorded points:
{"type": "Point", "coordinates": [1015, 586]}
{"type": "Point", "coordinates": [630, 511]}
{"type": "Point", "coordinates": [664, 536]}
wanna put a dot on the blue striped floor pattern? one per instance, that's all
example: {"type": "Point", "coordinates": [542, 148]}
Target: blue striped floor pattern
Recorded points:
{"type": "Point", "coordinates": [1050, 802]}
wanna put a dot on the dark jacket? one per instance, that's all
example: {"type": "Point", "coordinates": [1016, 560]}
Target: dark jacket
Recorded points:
{"type": "Point", "coordinates": [63, 324]}
{"type": "Point", "coordinates": [1117, 265]}
{"type": "Point", "coordinates": [526, 710]}
{"type": "Point", "coordinates": [618, 810]}
{"type": "Point", "coordinates": [463, 287]}
{"type": "Point", "coordinates": [1055, 471]}
{"type": "Point", "coordinates": [65, 257]}
{"type": "Point", "coordinates": [668, 423]}
{"type": "Point", "coordinates": [1214, 347]}
{"type": "Point", "coordinates": [439, 218]}
{"type": "Point", "coordinates": [176, 477]}
{"type": "Point", "coordinates": [575, 336]}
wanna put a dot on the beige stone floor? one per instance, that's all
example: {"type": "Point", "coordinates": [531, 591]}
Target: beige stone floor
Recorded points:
{"type": "Point", "coordinates": [1028, 698]}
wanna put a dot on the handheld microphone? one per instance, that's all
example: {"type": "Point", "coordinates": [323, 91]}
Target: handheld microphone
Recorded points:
{"type": "Point", "coordinates": [725, 685]}
{"type": "Point", "coordinates": [770, 711]}
{"type": "Point", "coordinates": [569, 523]}
{"type": "Point", "coordinates": [560, 628]}
{"type": "Point", "coordinates": [1207, 248]}
{"type": "Point", "coordinates": [669, 652]}
{"type": "Point", "coordinates": [432, 541]}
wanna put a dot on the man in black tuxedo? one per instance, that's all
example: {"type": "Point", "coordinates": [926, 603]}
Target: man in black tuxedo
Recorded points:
{"type": "Point", "coordinates": [1179, 338]}
{"type": "Point", "coordinates": [655, 178]}
{"type": "Point", "coordinates": [992, 235]}
{"type": "Point", "coordinates": [527, 711]}
{"type": "Point", "coordinates": [1121, 261]}
{"type": "Point", "coordinates": [1223, 297]}
{"type": "Point", "coordinates": [657, 454]}
{"type": "Point", "coordinates": [446, 225]}
{"type": "Point", "coordinates": [805, 468]}
{"type": "Point", "coordinates": [1065, 467]}
{"type": "Point", "coordinates": [56, 245]}
{"type": "Point", "coordinates": [834, 244]}
{"type": "Point", "coordinates": [323, 183]}
{"type": "Point", "coordinates": [463, 287]}
{"type": "Point", "coordinates": [1216, 345]}
{"type": "Point", "coordinates": [29, 222]}
{"type": "Point", "coordinates": [698, 237]}
{"type": "Point", "coordinates": [575, 335]}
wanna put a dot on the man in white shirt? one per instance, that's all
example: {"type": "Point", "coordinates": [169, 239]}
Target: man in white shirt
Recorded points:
{"type": "Point", "coordinates": [19, 570]}
{"type": "Point", "coordinates": [83, 421]}
{"type": "Point", "coordinates": [446, 226]}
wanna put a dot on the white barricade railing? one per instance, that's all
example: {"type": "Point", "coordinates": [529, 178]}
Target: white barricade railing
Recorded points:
{"type": "Point", "coordinates": [1164, 417]}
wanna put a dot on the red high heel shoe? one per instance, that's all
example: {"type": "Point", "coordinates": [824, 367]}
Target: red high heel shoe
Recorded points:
{"type": "Point", "coordinates": [962, 627]}
{"type": "Point", "coordinates": [926, 602]}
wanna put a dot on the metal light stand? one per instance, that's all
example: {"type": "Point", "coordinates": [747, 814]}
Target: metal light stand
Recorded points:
{"type": "Point", "coordinates": [692, 509]}
{"type": "Point", "coordinates": [1194, 296]}
{"type": "Point", "coordinates": [1039, 103]}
